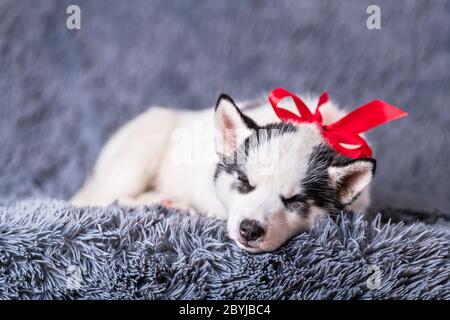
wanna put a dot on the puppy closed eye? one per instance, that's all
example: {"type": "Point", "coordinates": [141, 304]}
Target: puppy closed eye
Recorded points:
{"type": "Point", "coordinates": [243, 185]}
{"type": "Point", "coordinates": [294, 203]}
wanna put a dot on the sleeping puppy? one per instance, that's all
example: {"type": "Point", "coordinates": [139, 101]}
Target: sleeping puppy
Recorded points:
{"type": "Point", "coordinates": [269, 179]}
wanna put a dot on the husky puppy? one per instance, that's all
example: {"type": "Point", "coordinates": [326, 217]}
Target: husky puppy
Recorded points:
{"type": "Point", "coordinates": [269, 179]}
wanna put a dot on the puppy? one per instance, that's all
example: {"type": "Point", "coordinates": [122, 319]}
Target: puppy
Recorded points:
{"type": "Point", "coordinates": [269, 179]}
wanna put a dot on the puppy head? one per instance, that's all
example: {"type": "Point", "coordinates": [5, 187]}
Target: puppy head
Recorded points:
{"type": "Point", "coordinates": [278, 180]}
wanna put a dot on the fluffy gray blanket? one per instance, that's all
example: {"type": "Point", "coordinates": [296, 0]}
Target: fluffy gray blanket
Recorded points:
{"type": "Point", "coordinates": [62, 94]}
{"type": "Point", "coordinates": [51, 250]}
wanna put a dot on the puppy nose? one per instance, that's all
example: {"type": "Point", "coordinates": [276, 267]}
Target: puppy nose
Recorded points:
{"type": "Point", "coordinates": [251, 230]}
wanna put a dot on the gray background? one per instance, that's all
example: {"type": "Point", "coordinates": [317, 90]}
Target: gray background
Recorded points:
{"type": "Point", "coordinates": [62, 93]}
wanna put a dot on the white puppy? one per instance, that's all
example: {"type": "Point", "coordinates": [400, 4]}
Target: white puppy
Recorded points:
{"type": "Point", "coordinates": [269, 179]}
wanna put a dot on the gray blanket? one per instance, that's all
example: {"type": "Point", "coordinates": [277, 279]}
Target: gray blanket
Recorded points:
{"type": "Point", "coordinates": [51, 250]}
{"type": "Point", "coordinates": [62, 94]}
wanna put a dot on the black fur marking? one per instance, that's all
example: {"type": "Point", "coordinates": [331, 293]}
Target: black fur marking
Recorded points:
{"type": "Point", "coordinates": [223, 96]}
{"type": "Point", "coordinates": [265, 133]}
{"type": "Point", "coordinates": [242, 185]}
{"type": "Point", "coordinates": [317, 185]}
{"type": "Point", "coordinates": [246, 119]}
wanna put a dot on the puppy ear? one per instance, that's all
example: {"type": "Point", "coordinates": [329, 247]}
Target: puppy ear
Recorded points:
{"type": "Point", "coordinates": [232, 126]}
{"type": "Point", "coordinates": [351, 177]}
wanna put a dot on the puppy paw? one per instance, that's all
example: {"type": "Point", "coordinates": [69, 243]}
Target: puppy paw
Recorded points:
{"type": "Point", "coordinates": [177, 205]}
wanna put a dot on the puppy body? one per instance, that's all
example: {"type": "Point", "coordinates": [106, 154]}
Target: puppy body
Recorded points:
{"type": "Point", "coordinates": [282, 177]}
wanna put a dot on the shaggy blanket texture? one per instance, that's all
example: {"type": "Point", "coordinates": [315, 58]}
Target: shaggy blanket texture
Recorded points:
{"type": "Point", "coordinates": [154, 254]}
{"type": "Point", "coordinates": [64, 92]}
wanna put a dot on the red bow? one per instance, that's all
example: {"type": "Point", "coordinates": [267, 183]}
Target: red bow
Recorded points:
{"type": "Point", "coordinates": [344, 132]}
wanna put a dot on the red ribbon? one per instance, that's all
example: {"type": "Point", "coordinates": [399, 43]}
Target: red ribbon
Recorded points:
{"type": "Point", "coordinates": [344, 132]}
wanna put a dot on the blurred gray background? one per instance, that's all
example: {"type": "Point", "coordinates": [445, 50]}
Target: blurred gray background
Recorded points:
{"type": "Point", "coordinates": [62, 92]}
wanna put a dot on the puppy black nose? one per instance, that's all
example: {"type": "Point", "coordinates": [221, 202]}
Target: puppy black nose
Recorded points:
{"type": "Point", "coordinates": [251, 230]}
